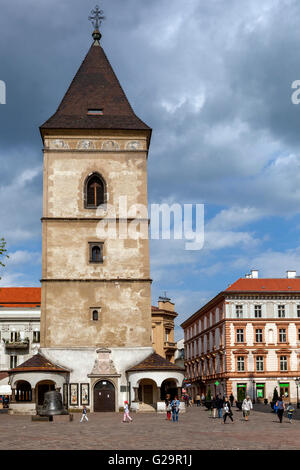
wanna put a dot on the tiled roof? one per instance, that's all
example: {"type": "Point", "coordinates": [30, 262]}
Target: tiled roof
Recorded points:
{"type": "Point", "coordinates": [20, 297]}
{"type": "Point", "coordinates": [95, 86]}
{"type": "Point", "coordinates": [38, 363]}
{"type": "Point", "coordinates": [155, 362]}
{"type": "Point", "coordinates": [3, 375]}
{"type": "Point", "coordinates": [265, 285]}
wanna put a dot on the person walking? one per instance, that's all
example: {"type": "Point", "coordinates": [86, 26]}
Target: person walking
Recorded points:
{"type": "Point", "coordinates": [214, 407]}
{"type": "Point", "coordinates": [202, 399]}
{"type": "Point", "coordinates": [220, 406]}
{"type": "Point", "coordinates": [227, 410]}
{"type": "Point", "coordinates": [84, 414]}
{"type": "Point", "coordinates": [246, 407]}
{"type": "Point", "coordinates": [290, 410]}
{"type": "Point", "coordinates": [280, 409]}
{"type": "Point", "coordinates": [126, 413]}
{"type": "Point", "coordinates": [175, 404]}
{"type": "Point", "coordinates": [231, 398]}
{"type": "Point", "coordinates": [198, 399]}
{"type": "Point", "coordinates": [168, 407]}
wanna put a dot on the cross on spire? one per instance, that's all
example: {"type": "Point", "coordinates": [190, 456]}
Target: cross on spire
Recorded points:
{"type": "Point", "coordinates": [96, 17]}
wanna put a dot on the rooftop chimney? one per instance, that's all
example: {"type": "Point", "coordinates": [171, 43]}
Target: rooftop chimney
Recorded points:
{"type": "Point", "coordinates": [291, 274]}
{"type": "Point", "coordinates": [254, 274]}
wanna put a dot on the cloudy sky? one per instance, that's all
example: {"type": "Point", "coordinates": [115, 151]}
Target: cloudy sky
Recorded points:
{"type": "Point", "coordinates": [213, 79]}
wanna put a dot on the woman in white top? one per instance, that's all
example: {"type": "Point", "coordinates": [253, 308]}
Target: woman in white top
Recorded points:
{"type": "Point", "coordinates": [246, 407]}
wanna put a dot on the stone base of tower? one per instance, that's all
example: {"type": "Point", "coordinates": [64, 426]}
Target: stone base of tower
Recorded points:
{"type": "Point", "coordinates": [98, 373]}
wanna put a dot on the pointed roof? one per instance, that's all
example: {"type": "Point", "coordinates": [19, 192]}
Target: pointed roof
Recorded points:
{"type": "Point", "coordinates": [155, 362]}
{"type": "Point", "coordinates": [38, 362]}
{"type": "Point", "coordinates": [95, 86]}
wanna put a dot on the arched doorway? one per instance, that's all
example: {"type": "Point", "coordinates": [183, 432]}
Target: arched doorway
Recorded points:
{"type": "Point", "coordinates": [23, 391]}
{"type": "Point", "coordinates": [41, 388]}
{"type": "Point", "coordinates": [168, 387]}
{"type": "Point", "coordinates": [147, 393]}
{"type": "Point", "coordinates": [104, 396]}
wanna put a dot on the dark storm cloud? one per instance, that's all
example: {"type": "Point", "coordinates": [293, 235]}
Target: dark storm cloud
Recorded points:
{"type": "Point", "coordinates": [211, 77]}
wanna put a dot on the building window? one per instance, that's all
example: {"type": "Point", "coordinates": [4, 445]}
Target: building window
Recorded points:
{"type": "Point", "coordinates": [167, 332]}
{"type": "Point", "coordinates": [95, 112]}
{"type": "Point", "coordinates": [240, 363]}
{"type": "Point", "coordinates": [36, 337]}
{"type": "Point", "coordinates": [240, 335]}
{"type": "Point", "coordinates": [257, 311]}
{"type": "Point", "coordinates": [298, 334]}
{"type": "Point", "coordinates": [13, 361]}
{"type": "Point", "coordinates": [282, 335]}
{"type": "Point", "coordinates": [259, 363]}
{"type": "Point", "coordinates": [94, 191]}
{"type": "Point", "coordinates": [96, 252]}
{"type": "Point", "coordinates": [298, 311]}
{"type": "Point", "coordinates": [281, 311]}
{"type": "Point", "coordinates": [14, 336]}
{"type": "Point", "coordinates": [239, 311]}
{"type": "Point", "coordinates": [95, 315]}
{"type": "Point", "coordinates": [283, 363]}
{"type": "Point", "coordinates": [258, 335]}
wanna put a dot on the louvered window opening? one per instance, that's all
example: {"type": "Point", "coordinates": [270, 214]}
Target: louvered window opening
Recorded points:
{"type": "Point", "coordinates": [95, 192]}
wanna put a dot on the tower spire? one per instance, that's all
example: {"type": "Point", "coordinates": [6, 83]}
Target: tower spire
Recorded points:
{"type": "Point", "coordinates": [96, 17]}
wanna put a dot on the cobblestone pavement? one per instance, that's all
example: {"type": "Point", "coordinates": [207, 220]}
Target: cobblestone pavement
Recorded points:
{"type": "Point", "coordinates": [195, 430]}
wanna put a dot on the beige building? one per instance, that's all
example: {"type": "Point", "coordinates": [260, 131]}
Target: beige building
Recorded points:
{"type": "Point", "coordinates": [163, 318]}
{"type": "Point", "coordinates": [246, 340]}
{"type": "Point", "coordinates": [96, 286]}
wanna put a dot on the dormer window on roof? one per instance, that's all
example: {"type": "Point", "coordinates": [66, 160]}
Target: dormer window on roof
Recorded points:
{"type": "Point", "coordinates": [95, 112]}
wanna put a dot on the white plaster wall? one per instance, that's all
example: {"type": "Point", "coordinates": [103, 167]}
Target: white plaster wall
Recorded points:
{"type": "Point", "coordinates": [251, 360]}
{"type": "Point", "coordinates": [249, 332]}
{"type": "Point", "coordinates": [157, 376]}
{"type": "Point", "coordinates": [34, 377]}
{"type": "Point", "coordinates": [271, 361]}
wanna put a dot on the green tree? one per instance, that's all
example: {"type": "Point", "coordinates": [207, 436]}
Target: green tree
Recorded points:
{"type": "Point", "coordinates": [208, 395]}
{"type": "Point", "coordinates": [3, 252]}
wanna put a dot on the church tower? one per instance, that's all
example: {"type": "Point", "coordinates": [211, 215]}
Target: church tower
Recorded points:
{"type": "Point", "coordinates": [96, 287]}
{"type": "Point", "coordinates": [95, 290]}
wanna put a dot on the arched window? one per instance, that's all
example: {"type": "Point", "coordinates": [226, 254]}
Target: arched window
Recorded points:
{"type": "Point", "coordinates": [95, 315]}
{"type": "Point", "coordinates": [96, 254]}
{"type": "Point", "coordinates": [94, 191]}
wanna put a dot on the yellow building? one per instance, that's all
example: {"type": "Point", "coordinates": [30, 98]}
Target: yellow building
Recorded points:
{"type": "Point", "coordinates": [163, 318]}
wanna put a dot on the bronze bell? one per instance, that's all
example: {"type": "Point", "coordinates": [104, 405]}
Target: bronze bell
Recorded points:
{"type": "Point", "coordinates": [53, 404]}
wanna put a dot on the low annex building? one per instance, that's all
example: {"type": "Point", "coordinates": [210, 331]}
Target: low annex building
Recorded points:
{"type": "Point", "coordinates": [246, 340]}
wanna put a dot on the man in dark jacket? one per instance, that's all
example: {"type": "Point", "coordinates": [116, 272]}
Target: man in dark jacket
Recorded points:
{"type": "Point", "coordinates": [220, 406]}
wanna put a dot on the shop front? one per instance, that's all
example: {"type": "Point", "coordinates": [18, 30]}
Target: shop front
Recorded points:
{"type": "Point", "coordinates": [241, 390]}
{"type": "Point", "coordinates": [284, 390]}
{"type": "Point", "coordinates": [260, 392]}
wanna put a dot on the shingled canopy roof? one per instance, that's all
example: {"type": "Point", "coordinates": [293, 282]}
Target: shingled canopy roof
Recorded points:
{"type": "Point", "coordinates": [155, 362]}
{"type": "Point", "coordinates": [38, 363]}
{"type": "Point", "coordinates": [95, 86]}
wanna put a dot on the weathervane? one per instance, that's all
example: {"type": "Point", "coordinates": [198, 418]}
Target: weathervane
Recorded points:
{"type": "Point", "coordinates": [96, 17]}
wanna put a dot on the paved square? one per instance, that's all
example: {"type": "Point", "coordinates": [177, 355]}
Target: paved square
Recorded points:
{"type": "Point", "coordinates": [195, 430]}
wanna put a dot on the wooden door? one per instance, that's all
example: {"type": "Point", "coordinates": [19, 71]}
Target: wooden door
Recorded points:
{"type": "Point", "coordinates": [148, 394]}
{"type": "Point", "coordinates": [104, 396]}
